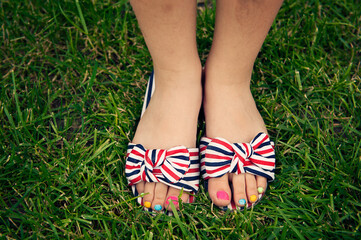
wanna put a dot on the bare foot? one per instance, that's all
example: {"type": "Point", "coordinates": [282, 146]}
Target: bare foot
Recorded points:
{"type": "Point", "coordinates": [231, 113]}
{"type": "Point", "coordinates": [170, 120]}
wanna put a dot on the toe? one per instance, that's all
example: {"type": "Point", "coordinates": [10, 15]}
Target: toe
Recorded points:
{"type": "Point", "coordinates": [219, 190]}
{"type": "Point", "coordinates": [173, 195]}
{"type": "Point", "coordinates": [251, 188]}
{"type": "Point", "coordinates": [239, 189]}
{"type": "Point", "coordinates": [261, 184]}
{"type": "Point", "coordinates": [149, 191]}
{"type": "Point", "coordinates": [160, 192]}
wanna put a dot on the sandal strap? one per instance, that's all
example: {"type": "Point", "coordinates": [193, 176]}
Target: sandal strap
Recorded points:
{"type": "Point", "coordinates": [218, 157]}
{"type": "Point", "coordinates": [176, 167]}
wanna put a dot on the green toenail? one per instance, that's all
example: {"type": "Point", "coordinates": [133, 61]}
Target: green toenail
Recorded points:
{"type": "Point", "coordinates": [260, 190]}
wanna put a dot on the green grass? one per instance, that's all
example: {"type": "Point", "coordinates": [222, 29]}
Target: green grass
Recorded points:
{"type": "Point", "coordinates": [73, 76]}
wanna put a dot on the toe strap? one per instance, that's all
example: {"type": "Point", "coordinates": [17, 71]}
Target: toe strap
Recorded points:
{"type": "Point", "coordinates": [218, 157]}
{"type": "Point", "coordinates": [177, 167]}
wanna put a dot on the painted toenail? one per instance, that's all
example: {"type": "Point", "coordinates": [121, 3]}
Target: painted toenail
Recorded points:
{"type": "Point", "coordinates": [222, 195]}
{"type": "Point", "coordinates": [260, 189]}
{"type": "Point", "coordinates": [147, 204]}
{"type": "Point", "coordinates": [242, 201]}
{"type": "Point", "coordinates": [174, 200]}
{"type": "Point", "coordinates": [158, 207]}
{"type": "Point", "coordinates": [253, 198]}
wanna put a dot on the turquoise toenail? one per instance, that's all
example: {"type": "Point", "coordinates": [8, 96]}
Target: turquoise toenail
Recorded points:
{"type": "Point", "coordinates": [242, 201]}
{"type": "Point", "coordinates": [158, 207]}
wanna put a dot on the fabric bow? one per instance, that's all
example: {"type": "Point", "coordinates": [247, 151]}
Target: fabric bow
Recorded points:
{"type": "Point", "coordinates": [257, 157]}
{"type": "Point", "coordinates": [156, 165]}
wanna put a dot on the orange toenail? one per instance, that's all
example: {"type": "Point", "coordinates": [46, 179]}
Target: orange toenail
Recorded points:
{"type": "Point", "coordinates": [253, 198]}
{"type": "Point", "coordinates": [147, 204]}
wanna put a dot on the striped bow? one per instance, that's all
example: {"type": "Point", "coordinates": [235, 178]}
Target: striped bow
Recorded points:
{"type": "Point", "coordinates": [257, 157]}
{"type": "Point", "coordinates": [156, 165]}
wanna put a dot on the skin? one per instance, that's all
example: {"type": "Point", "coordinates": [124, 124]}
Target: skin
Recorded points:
{"type": "Point", "coordinates": [171, 118]}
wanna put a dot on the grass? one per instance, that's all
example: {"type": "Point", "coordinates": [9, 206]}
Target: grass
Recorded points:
{"type": "Point", "coordinates": [73, 74]}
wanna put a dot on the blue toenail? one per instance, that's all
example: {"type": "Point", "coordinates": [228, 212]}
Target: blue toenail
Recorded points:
{"type": "Point", "coordinates": [158, 207]}
{"type": "Point", "coordinates": [242, 201]}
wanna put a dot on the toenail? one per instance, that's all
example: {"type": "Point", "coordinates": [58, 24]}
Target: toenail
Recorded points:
{"type": "Point", "coordinates": [222, 195]}
{"type": "Point", "coordinates": [242, 201]}
{"type": "Point", "coordinates": [174, 200]}
{"type": "Point", "coordinates": [260, 189]}
{"type": "Point", "coordinates": [157, 207]}
{"type": "Point", "coordinates": [253, 198]}
{"type": "Point", "coordinates": [147, 204]}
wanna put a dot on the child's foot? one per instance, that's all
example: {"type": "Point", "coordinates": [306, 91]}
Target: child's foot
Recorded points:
{"type": "Point", "coordinates": [231, 113]}
{"type": "Point", "coordinates": [170, 120]}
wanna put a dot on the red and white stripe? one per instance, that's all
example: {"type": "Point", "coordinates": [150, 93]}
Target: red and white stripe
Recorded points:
{"type": "Point", "coordinates": [218, 157]}
{"type": "Point", "coordinates": [173, 167]}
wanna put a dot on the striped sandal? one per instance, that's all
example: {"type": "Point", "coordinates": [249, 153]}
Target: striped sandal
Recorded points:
{"type": "Point", "coordinates": [218, 157]}
{"type": "Point", "coordinates": [177, 167]}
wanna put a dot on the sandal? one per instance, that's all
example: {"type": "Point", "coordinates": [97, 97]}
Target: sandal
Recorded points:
{"type": "Point", "coordinates": [177, 167]}
{"type": "Point", "coordinates": [218, 157]}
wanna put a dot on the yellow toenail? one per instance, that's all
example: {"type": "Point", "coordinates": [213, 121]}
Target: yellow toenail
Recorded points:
{"type": "Point", "coordinates": [260, 189]}
{"type": "Point", "coordinates": [147, 204]}
{"type": "Point", "coordinates": [253, 198]}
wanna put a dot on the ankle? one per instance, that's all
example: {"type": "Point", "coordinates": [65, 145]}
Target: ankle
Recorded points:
{"type": "Point", "coordinates": [216, 89]}
{"type": "Point", "coordinates": [228, 75]}
{"type": "Point", "coordinates": [180, 75]}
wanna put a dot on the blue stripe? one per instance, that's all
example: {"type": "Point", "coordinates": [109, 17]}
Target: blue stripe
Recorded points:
{"type": "Point", "coordinates": [133, 160]}
{"type": "Point", "coordinates": [194, 178]}
{"type": "Point", "coordinates": [150, 88]}
{"type": "Point", "coordinates": [204, 143]}
{"type": "Point", "coordinates": [264, 144]}
{"type": "Point", "coordinates": [255, 172]}
{"type": "Point", "coordinates": [220, 150]}
{"type": "Point", "coordinates": [154, 157]}
{"type": "Point", "coordinates": [270, 156]}
{"type": "Point", "coordinates": [259, 134]}
{"type": "Point", "coordinates": [140, 146]}
{"type": "Point", "coordinates": [218, 164]}
{"type": "Point", "coordinates": [186, 187]}
{"type": "Point", "coordinates": [181, 171]}
{"type": "Point", "coordinates": [240, 148]}
{"type": "Point", "coordinates": [235, 168]}
{"type": "Point", "coordinates": [195, 161]}
{"type": "Point", "coordinates": [146, 173]}
{"type": "Point", "coordinates": [181, 157]}
{"type": "Point", "coordinates": [132, 173]}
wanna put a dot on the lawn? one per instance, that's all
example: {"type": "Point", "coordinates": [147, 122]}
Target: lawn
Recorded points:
{"type": "Point", "coordinates": [73, 75]}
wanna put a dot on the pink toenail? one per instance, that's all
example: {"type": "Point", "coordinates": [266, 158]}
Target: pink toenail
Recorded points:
{"type": "Point", "coordinates": [222, 195]}
{"type": "Point", "coordinates": [174, 200]}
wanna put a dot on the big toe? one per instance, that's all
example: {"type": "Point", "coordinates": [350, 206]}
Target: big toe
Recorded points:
{"type": "Point", "coordinates": [219, 190]}
{"type": "Point", "coordinates": [173, 196]}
